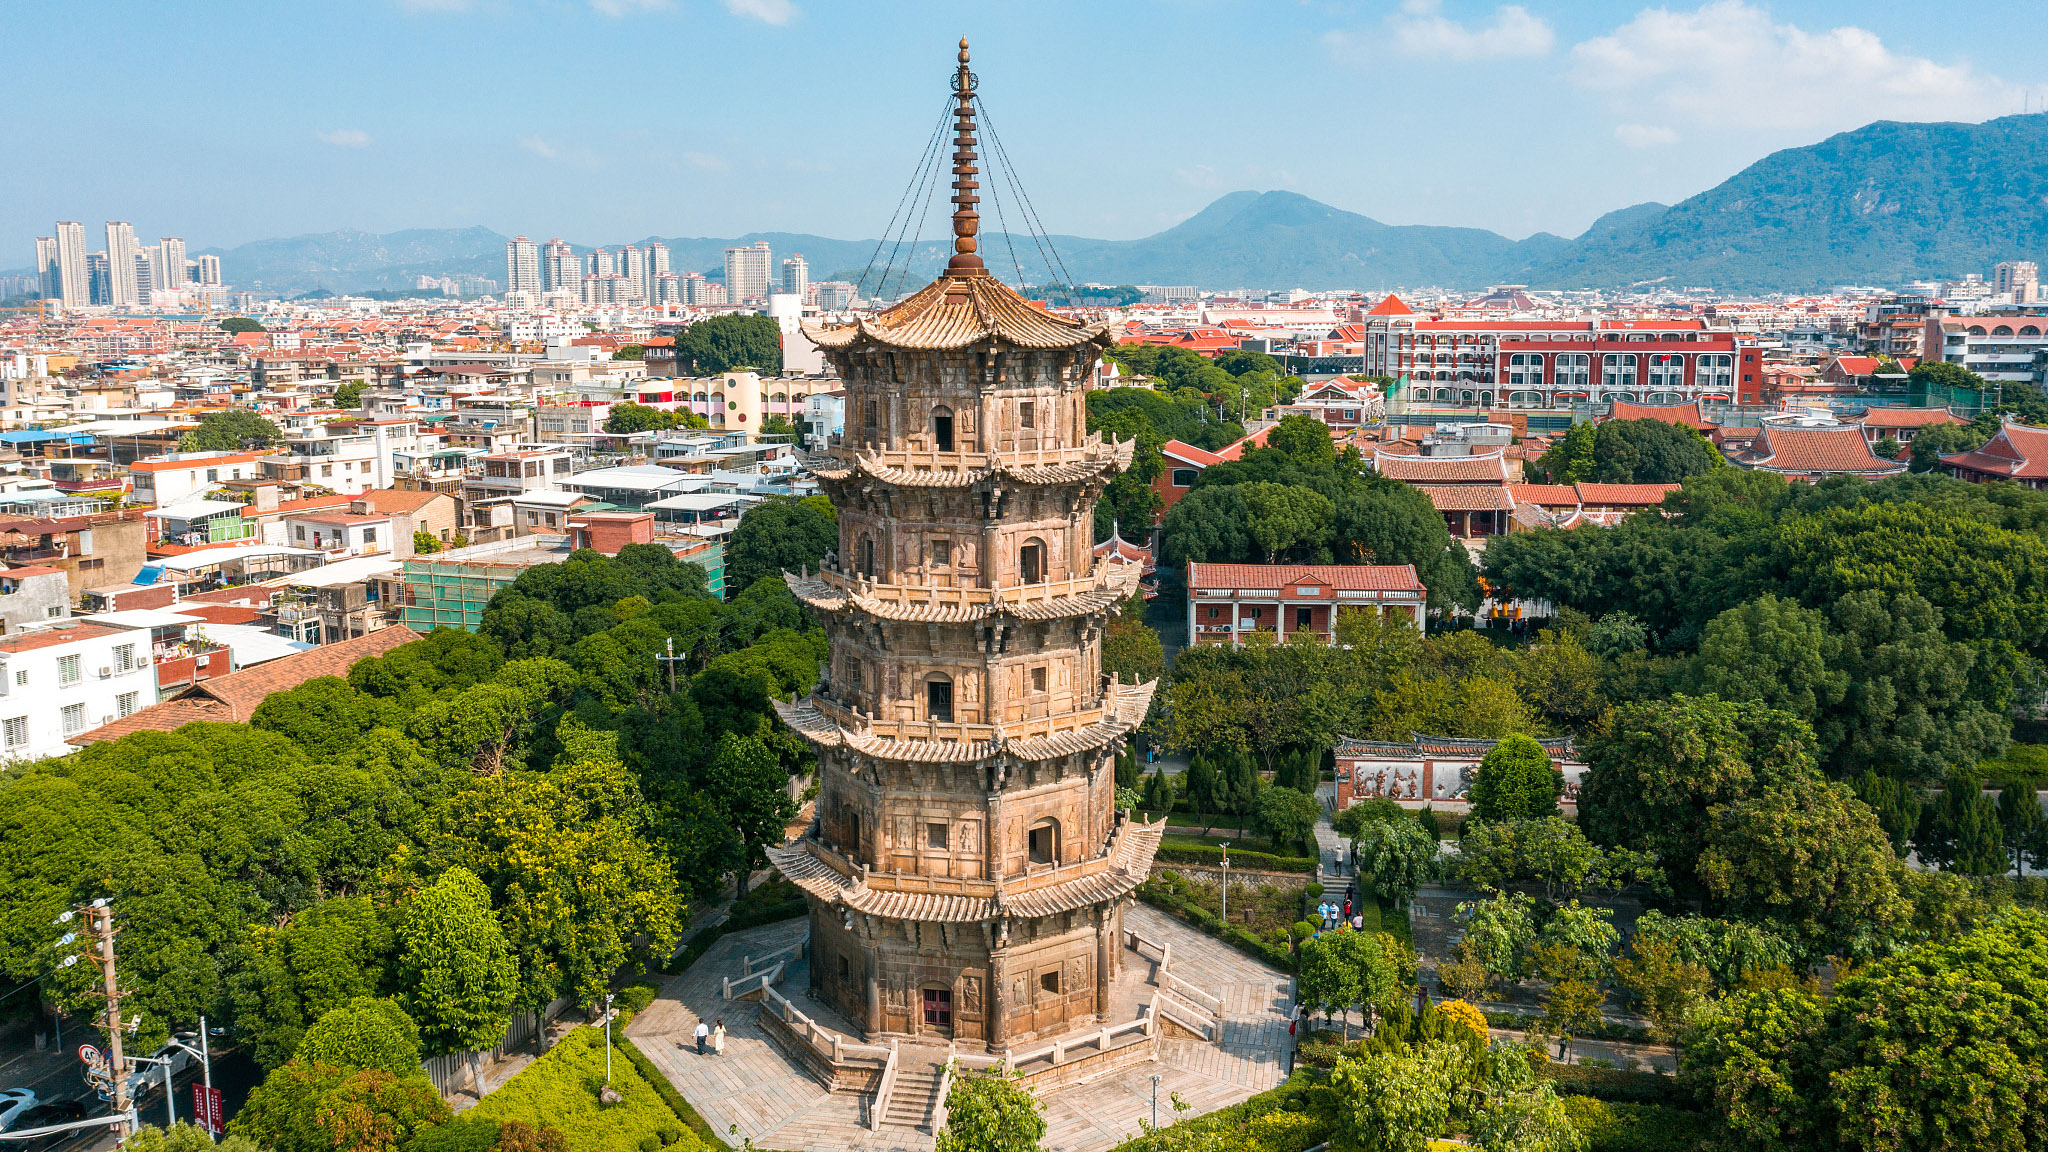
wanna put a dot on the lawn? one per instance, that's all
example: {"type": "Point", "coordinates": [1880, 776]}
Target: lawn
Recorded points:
{"type": "Point", "coordinates": [560, 1090]}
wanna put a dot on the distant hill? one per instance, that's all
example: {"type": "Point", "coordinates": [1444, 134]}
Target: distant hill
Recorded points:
{"type": "Point", "coordinates": [1883, 204]}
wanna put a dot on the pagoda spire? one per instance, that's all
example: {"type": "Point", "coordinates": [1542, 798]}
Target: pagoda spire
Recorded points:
{"type": "Point", "coordinates": [966, 221]}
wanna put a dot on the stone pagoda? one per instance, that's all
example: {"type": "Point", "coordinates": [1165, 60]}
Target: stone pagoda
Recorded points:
{"type": "Point", "coordinates": [968, 868]}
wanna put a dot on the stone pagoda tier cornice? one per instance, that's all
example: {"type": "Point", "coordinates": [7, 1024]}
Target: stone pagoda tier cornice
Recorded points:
{"type": "Point", "coordinates": [1044, 889]}
{"type": "Point", "coordinates": [909, 469]}
{"type": "Point", "coordinates": [932, 603]}
{"type": "Point", "coordinates": [959, 311]}
{"type": "Point", "coordinates": [828, 724]}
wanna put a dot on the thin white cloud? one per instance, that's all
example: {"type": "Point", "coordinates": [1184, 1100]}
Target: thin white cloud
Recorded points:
{"type": "Point", "coordinates": [539, 147]}
{"type": "Point", "coordinates": [1197, 176]}
{"type": "Point", "coordinates": [619, 8]}
{"type": "Point", "coordinates": [706, 161]}
{"type": "Point", "coordinates": [1729, 65]}
{"type": "Point", "coordinates": [776, 12]}
{"type": "Point", "coordinates": [1644, 135]}
{"type": "Point", "coordinates": [346, 138]}
{"type": "Point", "coordinates": [435, 5]}
{"type": "Point", "coordinates": [1421, 29]}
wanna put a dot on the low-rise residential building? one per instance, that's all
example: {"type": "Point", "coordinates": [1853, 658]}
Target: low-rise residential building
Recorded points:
{"type": "Point", "coordinates": [1435, 771]}
{"type": "Point", "coordinates": [1227, 602]}
{"type": "Point", "coordinates": [181, 476]}
{"type": "Point", "coordinates": [60, 681]}
{"type": "Point", "coordinates": [32, 594]}
{"type": "Point", "coordinates": [102, 548]}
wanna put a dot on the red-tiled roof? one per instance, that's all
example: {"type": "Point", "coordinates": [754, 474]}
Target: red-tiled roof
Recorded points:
{"type": "Point", "coordinates": [52, 637]}
{"type": "Point", "coordinates": [1391, 306]}
{"type": "Point", "coordinates": [1639, 495]}
{"type": "Point", "coordinates": [1491, 468]}
{"type": "Point", "coordinates": [1468, 497]}
{"type": "Point", "coordinates": [1813, 450]}
{"type": "Point", "coordinates": [1907, 417]}
{"type": "Point", "coordinates": [235, 696]}
{"type": "Point", "coordinates": [1183, 451]}
{"type": "Point", "coordinates": [1343, 577]}
{"type": "Point", "coordinates": [1687, 414]}
{"type": "Point", "coordinates": [1545, 495]}
{"type": "Point", "coordinates": [2019, 450]}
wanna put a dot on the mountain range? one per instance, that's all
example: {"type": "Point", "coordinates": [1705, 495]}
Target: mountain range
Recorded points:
{"type": "Point", "coordinates": [1883, 204]}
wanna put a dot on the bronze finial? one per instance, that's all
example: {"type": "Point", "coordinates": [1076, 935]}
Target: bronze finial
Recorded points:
{"type": "Point", "coordinates": [966, 221]}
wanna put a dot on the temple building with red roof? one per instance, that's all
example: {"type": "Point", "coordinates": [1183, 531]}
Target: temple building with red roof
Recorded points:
{"type": "Point", "coordinates": [1816, 453]}
{"type": "Point", "coordinates": [1227, 602]}
{"type": "Point", "coordinates": [2019, 453]}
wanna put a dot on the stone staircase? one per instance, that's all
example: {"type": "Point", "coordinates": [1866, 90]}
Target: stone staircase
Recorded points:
{"type": "Point", "coordinates": [911, 1101]}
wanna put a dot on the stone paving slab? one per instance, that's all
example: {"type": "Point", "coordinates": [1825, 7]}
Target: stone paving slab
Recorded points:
{"type": "Point", "coordinates": [774, 1103]}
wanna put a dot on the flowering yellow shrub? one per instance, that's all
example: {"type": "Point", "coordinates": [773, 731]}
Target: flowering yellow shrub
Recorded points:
{"type": "Point", "coordinates": [1466, 1014]}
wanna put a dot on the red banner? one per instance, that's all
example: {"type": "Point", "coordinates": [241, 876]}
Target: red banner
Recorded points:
{"type": "Point", "coordinates": [206, 1109]}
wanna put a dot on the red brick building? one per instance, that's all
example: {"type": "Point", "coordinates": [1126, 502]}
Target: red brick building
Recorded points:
{"type": "Point", "coordinates": [1226, 602]}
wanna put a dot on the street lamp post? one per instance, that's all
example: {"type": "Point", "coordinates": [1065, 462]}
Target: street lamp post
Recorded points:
{"type": "Point", "coordinates": [1155, 1100]}
{"type": "Point", "coordinates": [1226, 884]}
{"type": "Point", "coordinates": [205, 1070]}
{"type": "Point", "coordinates": [607, 1037]}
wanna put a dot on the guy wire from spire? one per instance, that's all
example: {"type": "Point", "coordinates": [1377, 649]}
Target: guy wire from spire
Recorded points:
{"type": "Point", "coordinates": [995, 195]}
{"type": "Point", "coordinates": [916, 179]}
{"type": "Point", "coordinates": [1031, 220]}
{"type": "Point", "coordinates": [910, 256]}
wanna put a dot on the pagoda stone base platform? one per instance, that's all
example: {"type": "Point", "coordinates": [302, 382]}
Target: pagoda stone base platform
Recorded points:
{"type": "Point", "coordinates": [778, 1103]}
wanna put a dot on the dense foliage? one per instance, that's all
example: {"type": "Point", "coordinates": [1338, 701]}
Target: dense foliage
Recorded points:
{"type": "Point", "coordinates": [730, 343]}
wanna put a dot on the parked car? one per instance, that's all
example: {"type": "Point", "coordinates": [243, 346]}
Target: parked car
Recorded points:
{"type": "Point", "coordinates": [148, 1078]}
{"type": "Point", "coordinates": [14, 1102]}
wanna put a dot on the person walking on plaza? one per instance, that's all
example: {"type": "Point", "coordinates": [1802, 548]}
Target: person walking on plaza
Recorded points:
{"type": "Point", "coordinates": [703, 1033]}
{"type": "Point", "coordinates": [718, 1038]}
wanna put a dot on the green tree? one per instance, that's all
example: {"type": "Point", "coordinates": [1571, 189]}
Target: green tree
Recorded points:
{"type": "Point", "coordinates": [1210, 524]}
{"type": "Point", "coordinates": [1326, 980]}
{"type": "Point", "coordinates": [1396, 1101]}
{"type": "Point", "coordinates": [235, 430]}
{"type": "Point", "coordinates": [425, 543]}
{"type": "Point", "coordinates": [305, 1107]}
{"type": "Point", "coordinates": [456, 973]}
{"type": "Point", "coordinates": [1571, 459]}
{"type": "Point", "coordinates": [1774, 653]}
{"type": "Point", "coordinates": [1808, 856]}
{"type": "Point", "coordinates": [1534, 1120]}
{"type": "Point", "coordinates": [1896, 803]}
{"type": "Point", "coordinates": [1396, 858]}
{"type": "Point", "coordinates": [2025, 826]}
{"type": "Point", "coordinates": [1755, 1058]}
{"type": "Point", "coordinates": [1159, 793]}
{"type": "Point", "coordinates": [332, 954]}
{"type": "Point", "coordinates": [779, 536]}
{"type": "Point", "coordinates": [1287, 521]}
{"type": "Point", "coordinates": [325, 716]}
{"type": "Point", "coordinates": [235, 325]}
{"type": "Point", "coordinates": [1652, 779]}
{"type": "Point", "coordinates": [1962, 832]}
{"type": "Point", "coordinates": [1286, 817]}
{"type": "Point", "coordinates": [1498, 932]}
{"type": "Point", "coordinates": [1650, 452]}
{"type": "Point", "coordinates": [992, 1113]}
{"type": "Point", "coordinates": [1909, 709]}
{"type": "Point", "coordinates": [630, 352]}
{"type": "Point", "coordinates": [752, 788]}
{"type": "Point", "coordinates": [1665, 985]}
{"type": "Point", "coordinates": [730, 343]}
{"type": "Point", "coordinates": [1888, 448]}
{"type": "Point", "coordinates": [1516, 781]}
{"type": "Point", "coordinates": [364, 1033]}
{"type": "Point", "coordinates": [183, 1137]}
{"type": "Point", "coordinates": [349, 394]}
{"type": "Point", "coordinates": [1938, 440]}
{"type": "Point", "coordinates": [627, 418]}
{"type": "Point", "coordinates": [1305, 438]}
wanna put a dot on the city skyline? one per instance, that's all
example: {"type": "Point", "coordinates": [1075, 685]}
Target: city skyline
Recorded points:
{"type": "Point", "coordinates": [1648, 104]}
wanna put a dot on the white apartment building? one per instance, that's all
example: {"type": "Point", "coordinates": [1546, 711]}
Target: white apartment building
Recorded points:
{"type": "Point", "coordinates": [522, 265]}
{"type": "Point", "coordinates": [121, 253]}
{"type": "Point", "coordinates": [747, 272]}
{"type": "Point", "coordinates": [71, 271]}
{"type": "Point", "coordinates": [180, 476]}
{"type": "Point", "coordinates": [796, 276]}
{"type": "Point", "coordinates": [57, 682]}
{"type": "Point", "coordinates": [2018, 281]}
{"type": "Point", "coordinates": [171, 272]}
{"type": "Point", "coordinates": [560, 270]}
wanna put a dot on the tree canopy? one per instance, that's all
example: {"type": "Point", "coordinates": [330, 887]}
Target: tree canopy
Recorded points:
{"type": "Point", "coordinates": [730, 343]}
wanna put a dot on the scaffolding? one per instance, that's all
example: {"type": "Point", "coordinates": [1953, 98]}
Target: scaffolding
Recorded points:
{"type": "Point", "coordinates": [450, 589]}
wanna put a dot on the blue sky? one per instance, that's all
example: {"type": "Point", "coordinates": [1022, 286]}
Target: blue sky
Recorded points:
{"type": "Point", "coordinates": [608, 120]}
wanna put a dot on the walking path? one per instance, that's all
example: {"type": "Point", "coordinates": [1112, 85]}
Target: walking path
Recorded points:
{"type": "Point", "coordinates": [777, 1105]}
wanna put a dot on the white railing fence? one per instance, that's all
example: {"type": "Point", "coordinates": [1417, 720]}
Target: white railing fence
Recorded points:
{"type": "Point", "coordinates": [880, 1108]}
{"type": "Point", "coordinates": [458, 1071]}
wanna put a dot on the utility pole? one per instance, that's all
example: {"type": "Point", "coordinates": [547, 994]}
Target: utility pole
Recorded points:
{"type": "Point", "coordinates": [670, 658]}
{"type": "Point", "coordinates": [99, 928]}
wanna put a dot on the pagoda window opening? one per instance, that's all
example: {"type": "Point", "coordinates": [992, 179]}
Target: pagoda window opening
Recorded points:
{"type": "Point", "coordinates": [942, 429]}
{"type": "Point", "coordinates": [938, 700]}
{"type": "Point", "coordinates": [1031, 562]}
{"type": "Point", "coordinates": [1044, 842]}
{"type": "Point", "coordinates": [942, 553]}
{"type": "Point", "coordinates": [1049, 982]}
{"type": "Point", "coordinates": [1027, 414]}
{"type": "Point", "coordinates": [935, 835]}
{"type": "Point", "coordinates": [867, 557]}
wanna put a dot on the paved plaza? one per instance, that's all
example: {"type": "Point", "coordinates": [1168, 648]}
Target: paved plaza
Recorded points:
{"type": "Point", "coordinates": [777, 1105]}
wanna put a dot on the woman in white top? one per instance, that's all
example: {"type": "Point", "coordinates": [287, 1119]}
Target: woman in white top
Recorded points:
{"type": "Point", "coordinates": [718, 1038]}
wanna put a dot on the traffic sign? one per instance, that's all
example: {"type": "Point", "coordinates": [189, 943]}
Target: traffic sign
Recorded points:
{"type": "Point", "coordinates": [88, 1054]}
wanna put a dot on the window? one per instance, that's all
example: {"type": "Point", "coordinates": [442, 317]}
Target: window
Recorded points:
{"type": "Point", "coordinates": [1038, 679]}
{"type": "Point", "coordinates": [942, 552]}
{"type": "Point", "coordinates": [54, 611]}
{"type": "Point", "coordinates": [1302, 616]}
{"type": "Point", "coordinates": [327, 469]}
{"type": "Point", "coordinates": [1031, 562]}
{"type": "Point", "coordinates": [21, 678]}
{"type": "Point", "coordinates": [124, 658]}
{"type": "Point", "coordinates": [935, 835]}
{"type": "Point", "coordinates": [1214, 612]}
{"type": "Point", "coordinates": [1049, 982]}
{"type": "Point", "coordinates": [93, 564]}
{"type": "Point", "coordinates": [370, 535]}
{"type": "Point", "coordinates": [1044, 842]}
{"type": "Point", "coordinates": [1183, 477]}
{"type": "Point", "coordinates": [867, 557]}
{"type": "Point", "coordinates": [1027, 414]}
{"type": "Point", "coordinates": [125, 703]}
{"type": "Point", "coordinates": [867, 413]}
{"type": "Point", "coordinates": [942, 429]}
{"type": "Point", "coordinates": [68, 670]}
{"type": "Point", "coordinates": [74, 719]}
{"type": "Point", "coordinates": [938, 1007]}
{"type": "Point", "coordinates": [212, 475]}
{"type": "Point", "coordinates": [845, 969]}
{"type": "Point", "coordinates": [17, 732]}
{"type": "Point", "coordinates": [938, 700]}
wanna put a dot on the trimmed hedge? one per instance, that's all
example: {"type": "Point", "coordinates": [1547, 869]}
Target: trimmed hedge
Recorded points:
{"type": "Point", "coordinates": [1614, 1085]}
{"type": "Point", "coordinates": [560, 1089]}
{"type": "Point", "coordinates": [1179, 850]}
{"type": "Point", "coordinates": [1636, 1127]}
{"type": "Point", "coordinates": [1206, 920]}
{"type": "Point", "coordinates": [690, 1117]}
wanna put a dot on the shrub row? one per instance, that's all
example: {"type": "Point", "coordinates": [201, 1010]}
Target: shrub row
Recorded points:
{"type": "Point", "coordinates": [1614, 1085]}
{"type": "Point", "coordinates": [1636, 1127]}
{"type": "Point", "coordinates": [1174, 850]}
{"type": "Point", "coordinates": [1208, 922]}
